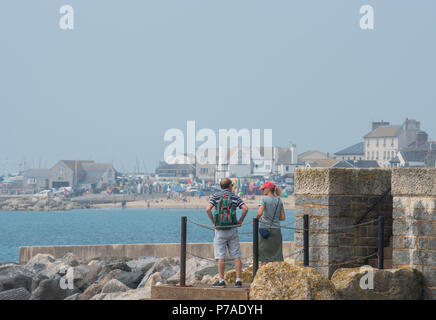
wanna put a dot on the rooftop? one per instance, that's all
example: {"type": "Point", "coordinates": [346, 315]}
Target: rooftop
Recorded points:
{"type": "Point", "coordinates": [385, 131]}
{"type": "Point", "coordinates": [357, 148]}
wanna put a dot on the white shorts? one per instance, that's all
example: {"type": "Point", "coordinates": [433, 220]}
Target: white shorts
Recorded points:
{"type": "Point", "coordinates": [227, 239]}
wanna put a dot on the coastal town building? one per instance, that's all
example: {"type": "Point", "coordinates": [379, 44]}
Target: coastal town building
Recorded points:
{"type": "Point", "coordinates": [311, 156]}
{"type": "Point", "coordinates": [37, 179]}
{"type": "Point", "coordinates": [384, 141]}
{"type": "Point", "coordinates": [79, 174]}
{"type": "Point", "coordinates": [354, 152]}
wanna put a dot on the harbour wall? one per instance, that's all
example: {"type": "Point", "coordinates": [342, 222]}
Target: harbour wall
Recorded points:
{"type": "Point", "coordinates": [133, 251]}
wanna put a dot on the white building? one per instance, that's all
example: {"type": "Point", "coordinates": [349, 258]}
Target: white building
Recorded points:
{"type": "Point", "coordinates": [385, 141]}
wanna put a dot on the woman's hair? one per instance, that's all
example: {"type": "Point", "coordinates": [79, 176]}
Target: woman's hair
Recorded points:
{"type": "Point", "coordinates": [277, 191]}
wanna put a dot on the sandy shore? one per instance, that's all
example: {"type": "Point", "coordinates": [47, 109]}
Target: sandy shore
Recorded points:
{"type": "Point", "coordinates": [192, 203]}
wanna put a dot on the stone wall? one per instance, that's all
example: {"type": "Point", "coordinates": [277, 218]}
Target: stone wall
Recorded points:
{"type": "Point", "coordinates": [334, 198]}
{"type": "Point", "coordinates": [414, 226]}
{"type": "Point", "coordinates": [133, 251]}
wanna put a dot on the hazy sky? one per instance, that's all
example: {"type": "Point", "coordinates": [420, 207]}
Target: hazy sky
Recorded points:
{"type": "Point", "coordinates": [132, 69]}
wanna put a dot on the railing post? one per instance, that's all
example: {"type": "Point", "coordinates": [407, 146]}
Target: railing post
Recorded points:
{"type": "Point", "coordinates": [255, 246]}
{"type": "Point", "coordinates": [183, 252]}
{"type": "Point", "coordinates": [306, 239]}
{"type": "Point", "coordinates": [381, 227]}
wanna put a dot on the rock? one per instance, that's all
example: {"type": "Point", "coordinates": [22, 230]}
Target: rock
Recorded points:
{"type": "Point", "coordinates": [130, 279]}
{"type": "Point", "coordinates": [283, 281]}
{"type": "Point", "coordinates": [14, 276]}
{"type": "Point", "coordinates": [73, 297]}
{"type": "Point", "coordinates": [153, 279]}
{"type": "Point", "coordinates": [58, 267]}
{"type": "Point", "coordinates": [15, 294]}
{"type": "Point", "coordinates": [113, 264]}
{"type": "Point", "coordinates": [143, 264]}
{"type": "Point", "coordinates": [70, 259]}
{"type": "Point", "coordinates": [138, 294]}
{"type": "Point", "coordinates": [97, 287]}
{"type": "Point", "coordinates": [167, 267]}
{"type": "Point", "coordinates": [114, 286]}
{"type": "Point", "coordinates": [207, 279]}
{"type": "Point", "coordinates": [39, 262]}
{"type": "Point", "coordinates": [195, 268]}
{"type": "Point", "coordinates": [36, 280]}
{"type": "Point", "coordinates": [389, 284]}
{"type": "Point", "coordinates": [84, 276]}
{"type": "Point", "coordinates": [230, 276]}
{"type": "Point", "coordinates": [50, 289]}
{"type": "Point", "coordinates": [246, 275]}
{"type": "Point", "coordinates": [99, 296]}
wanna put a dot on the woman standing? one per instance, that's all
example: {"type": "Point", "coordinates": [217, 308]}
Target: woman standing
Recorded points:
{"type": "Point", "coordinates": [270, 213]}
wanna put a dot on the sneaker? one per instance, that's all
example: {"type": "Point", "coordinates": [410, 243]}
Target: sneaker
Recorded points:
{"type": "Point", "coordinates": [238, 284]}
{"type": "Point", "coordinates": [219, 284]}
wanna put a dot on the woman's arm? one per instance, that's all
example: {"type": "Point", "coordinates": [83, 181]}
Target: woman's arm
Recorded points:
{"type": "Point", "coordinates": [282, 215]}
{"type": "Point", "coordinates": [260, 212]}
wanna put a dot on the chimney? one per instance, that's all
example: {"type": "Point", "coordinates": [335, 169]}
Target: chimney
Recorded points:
{"type": "Point", "coordinates": [294, 154]}
{"type": "Point", "coordinates": [377, 124]}
{"type": "Point", "coordinates": [421, 137]}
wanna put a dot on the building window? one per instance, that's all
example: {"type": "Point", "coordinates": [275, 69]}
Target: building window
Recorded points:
{"type": "Point", "coordinates": [376, 143]}
{"type": "Point", "coordinates": [392, 142]}
{"type": "Point", "coordinates": [376, 155]}
{"type": "Point", "coordinates": [384, 155]}
{"type": "Point", "coordinates": [372, 155]}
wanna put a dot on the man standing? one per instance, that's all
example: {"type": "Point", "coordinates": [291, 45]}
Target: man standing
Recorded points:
{"type": "Point", "coordinates": [226, 231]}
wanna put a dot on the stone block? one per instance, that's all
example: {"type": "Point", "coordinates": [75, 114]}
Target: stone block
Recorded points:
{"type": "Point", "coordinates": [430, 276]}
{"type": "Point", "coordinates": [405, 228]}
{"type": "Point", "coordinates": [422, 243]}
{"type": "Point", "coordinates": [427, 258]}
{"type": "Point", "coordinates": [398, 213]}
{"type": "Point", "coordinates": [425, 228]}
{"type": "Point", "coordinates": [414, 182]}
{"type": "Point", "coordinates": [401, 257]}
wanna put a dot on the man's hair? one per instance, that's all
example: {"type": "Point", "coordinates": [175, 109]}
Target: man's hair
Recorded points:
{"type": "Point", "coordinates": [225, 183]}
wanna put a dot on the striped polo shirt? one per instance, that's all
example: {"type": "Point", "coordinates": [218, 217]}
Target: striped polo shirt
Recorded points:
{"type": "Point", "coordinates": [237, 202]}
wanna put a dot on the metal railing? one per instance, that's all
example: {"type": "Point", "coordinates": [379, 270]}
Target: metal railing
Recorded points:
{"type": "Point", "coordinates": [306, 244]}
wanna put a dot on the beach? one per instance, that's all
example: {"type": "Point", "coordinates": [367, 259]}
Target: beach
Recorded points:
{"type": "Point", "coordinates": [192, 202]}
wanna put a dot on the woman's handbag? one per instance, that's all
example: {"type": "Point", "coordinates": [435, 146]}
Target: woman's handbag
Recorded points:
{"type": "Point", "coordinates": [264, 233]}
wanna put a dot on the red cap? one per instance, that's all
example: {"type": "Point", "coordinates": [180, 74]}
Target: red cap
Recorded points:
{"type": "Point", "coordinates": [268, 185]}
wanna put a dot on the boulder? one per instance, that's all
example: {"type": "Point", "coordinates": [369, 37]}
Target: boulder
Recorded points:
{"type": "Point", "coordinates": [388, 284]}
{"type": "Point", "coordinates": [230, 276]}
{"type": "Point", "coordinates": [153, 279]}
{"type": "Point", "coordinates": [194, 267]}
{"type": "Point", "coordinates": [143, 264]}
{"type": "Point", "coordinates": [15, 294]}
{"type": "Point", "coordinates": [137, 294]}
{"type": "Point", "coordinates": [36, 280]}
{"type": "Point", "coordinates": [73, 297]}
{"type": "Point", "coordinates": [130, 279]}
{"type": "Point", "coordinates": [84, 276]}
{"type": "Point", "coordinates": [50, 289]}
{"type": "Point", "coordinates": [39, 262]}
{"type": "Point", "coordinates": [114, 286]}
{"type": "Point", "coordinates": [283, 281]}
{"type": "Point", "coordinates": [97, 287]}
{"type": "Point", "coordinates": [166, 267]}
{"type": "Point", "coordinates": [14, 276]}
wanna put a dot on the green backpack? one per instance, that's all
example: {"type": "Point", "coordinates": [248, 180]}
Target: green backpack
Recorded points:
{"type": "Point", "coordinates": [225, 213]}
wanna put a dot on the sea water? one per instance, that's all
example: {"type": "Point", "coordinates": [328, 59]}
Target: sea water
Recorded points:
{"type": "Point", "coordinates": [108, 226]}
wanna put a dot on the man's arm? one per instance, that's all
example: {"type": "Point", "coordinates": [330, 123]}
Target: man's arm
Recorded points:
{"type": "Point", "coordinates": [209, 212]}
{"type": "Point", "coordinates": [244, 213]}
